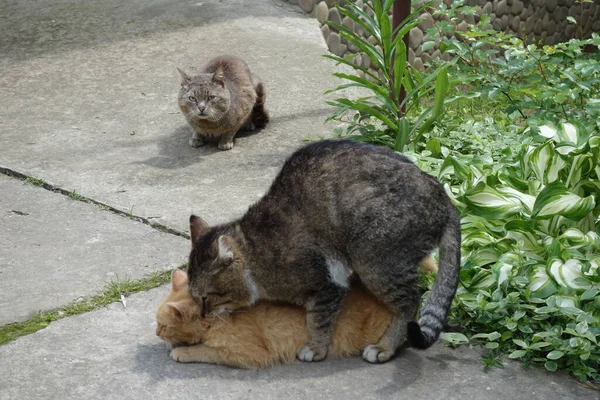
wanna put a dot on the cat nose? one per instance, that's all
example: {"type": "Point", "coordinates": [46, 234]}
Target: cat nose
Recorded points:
{"type": "Point", "coordinates": [201, 107]}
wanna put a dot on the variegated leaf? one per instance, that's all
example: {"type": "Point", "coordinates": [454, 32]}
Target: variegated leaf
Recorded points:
{"type": "Point", "coordinates": [490, 203]}
{"type": "Point", "coordinates": [556, 199]}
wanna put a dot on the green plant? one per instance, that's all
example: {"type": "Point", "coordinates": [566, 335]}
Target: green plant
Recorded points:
{"type": "Point", "coordinates": [384, 116]}
{"type": "Point", "coordinates": [530, 280]}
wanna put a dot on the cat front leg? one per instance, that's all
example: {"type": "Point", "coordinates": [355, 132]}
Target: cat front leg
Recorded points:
{"type": "Point", "coordinates": [196, 140]}
{"type": "Point", "coordinates": [223, 356]}
{"type": "Point", "coordinates": [321, 314]}
{"type": "Point", "coordinates": [198, 353]}
{"type": "Point", "coordinates": [226, 141]}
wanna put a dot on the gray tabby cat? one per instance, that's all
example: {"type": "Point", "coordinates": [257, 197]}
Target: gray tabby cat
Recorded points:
{"type": "Point", "coordinates": [337, 208]}
{"type": "Point", "coordinates": [221, 100]}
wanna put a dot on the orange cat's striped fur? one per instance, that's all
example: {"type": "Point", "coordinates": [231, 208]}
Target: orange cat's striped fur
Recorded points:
{"type": "Point", "coordinates": [265, 334]}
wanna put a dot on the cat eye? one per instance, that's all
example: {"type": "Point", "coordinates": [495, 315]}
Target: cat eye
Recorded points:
{"type": "Point", "coordinates": [192, 98]}
{"type": "Point", "coordinates": [211, 97]}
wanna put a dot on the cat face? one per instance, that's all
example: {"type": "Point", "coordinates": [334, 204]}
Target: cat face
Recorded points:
{"type": "Point", "coordinates": [178, 320]}
{"type": "Point", "coordinates": [204, 96]}
{"type": "Point", "coordinates": [220, 281]}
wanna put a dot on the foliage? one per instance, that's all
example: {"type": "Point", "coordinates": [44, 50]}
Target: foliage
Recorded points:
{"type": "Point", "coordinates": [382, 116]}
{"type": "Point", "coordinates": [518, 150]}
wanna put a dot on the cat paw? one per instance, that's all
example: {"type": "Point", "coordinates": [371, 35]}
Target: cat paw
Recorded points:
{"type": "Point", "coordinates": [307, 354]}
{"type": "Point", "coordinates": [181, 354]}
{"type": "Point", "coordinates": [376, 355]}
{"type": "Point", "coordinates": [226, 146]}
{"type": "Point", "coordinates": [196, 142]}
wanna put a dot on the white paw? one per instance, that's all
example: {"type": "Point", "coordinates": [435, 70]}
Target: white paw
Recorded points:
{"type": "Point", "coordinates": [180, 354]}
{"type": "Point", "coordinates": [306, 354]}
{"type": "Point", "coordinates": [373, 354]}
{"type": "Point", "coordinates": [226, 146]}
{"type": "Point", "coordinates": [196, 142]}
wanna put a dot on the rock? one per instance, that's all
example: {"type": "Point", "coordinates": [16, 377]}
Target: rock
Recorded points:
{"type": "Point", "coordinates": [551, 5]}
{"type": "Point", "coordinates": [372, 40]}
{"type": "Point", "coordinates": [411, 56]}
{"type": "Point", "coordinates": [325, 31]}
{"type": "Point", "coordinates": [348, 23]}
{"type": "Point", "coordinates": [357, 59]}
{"type": "Point", "coordinates": [306, 5]}
{"type": "Point", "coordinates": [426, 58]}
{"type": "Point", "coordinates": [321, 11]}
{"type": "Point", "coordinates": [418, 64]}
{"type": "Point", "coordinates": [334, 16]}
{"type": "Point", "coordinates": [343, 49]}
{"type": "Point", "coordinates": [550, 28]}
{"type": "Point", "coordinates": [538, 27]}
{"type": "Point", "coordinates": [331, 3]}
{"type": "Point", "coordinates": [517, 7]}
{"type": "Point", "coordinates": [502, 8]}
{"type": "Point", "coordinates": [470, 19]}
{"type": "Point", "coordinates": [415, 38]}
{"type": "Point", "coordinates": [366, 61]}
{"type": "Point", "coordinates": [462, 26]}
{"type": "Point", "coordinates": [334, 42]}
{"type": "Point", "coordinates": [436, 55]}
{"type": "Point", "coordinates": [353, 48]}
{"type": "Point", "coordinates": [426, 21]}
{"type": "Point", "coordinates": [488, 7]}
{"type": "Point", "coordinates": [514, 24]}
{"type": "Point", "coordinates": [294, 2]}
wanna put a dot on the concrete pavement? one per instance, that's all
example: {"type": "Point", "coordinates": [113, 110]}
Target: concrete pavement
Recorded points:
{"type": "Point", "coordinates": [87, 103]}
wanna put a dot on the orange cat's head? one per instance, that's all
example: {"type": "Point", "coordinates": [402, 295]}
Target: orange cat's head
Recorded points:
{"type": "Point", "coordinates": [178, 320]}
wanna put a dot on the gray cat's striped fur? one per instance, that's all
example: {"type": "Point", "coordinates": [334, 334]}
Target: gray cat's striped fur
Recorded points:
{"type": "Point", "coordinates": [336, 208]}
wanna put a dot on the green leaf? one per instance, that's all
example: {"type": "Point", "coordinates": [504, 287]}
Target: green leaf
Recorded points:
{"type": "Point", "coordinates": [520, 343]}
{"type": "Point", "coordinates": [441, 88]}
{"type": "Point", "coordinates": [556, 199]}
{"type": "Point", "coordinates": [551, 365]}
{"type": "Point", "coordinates": [367, 109]}
{"type": "Point", "coordinates": [454, 337]}
{"type": "Point", "coordinates": [489, 203]}
{"type": "Point", "coordinates": [400, 58]}
{"type": "Point", "coordinates": [517, 354]}
{"type": "Point", "coordinates": [427, 45]}
{"type": "Point", "coordinates": [541, 285]}
{"type": "Point", "coordinates": [555, 355]}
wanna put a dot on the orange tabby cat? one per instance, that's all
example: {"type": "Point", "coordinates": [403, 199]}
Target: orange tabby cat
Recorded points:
{"type": "Point", "coordinates": [263, 335]}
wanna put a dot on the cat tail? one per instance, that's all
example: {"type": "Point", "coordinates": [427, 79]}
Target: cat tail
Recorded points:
{"type": "Point", "coordinates": [424, 333]}
{"type": "Point", "coordinates": [260, 115]}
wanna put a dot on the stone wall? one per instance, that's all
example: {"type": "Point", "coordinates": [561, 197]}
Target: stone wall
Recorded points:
{"type": "Point", "coordinates": [538, 20]}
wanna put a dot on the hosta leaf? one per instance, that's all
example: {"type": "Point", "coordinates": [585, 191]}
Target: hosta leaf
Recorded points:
{"type": "Point", "coordinates": [556, 199]}
{"type": "Point", "coordinates": [541, 285]}
{"type": "Point", "coordinates": [525, 199]}
{"type": "Point", "coordinates": [547, 131]}
{"type": "Point", "coordinates": [490, 203]}
{"type": "Point", "coordinates": [540, 160]}
{"type": "Point", "coordinates": [568, 274]}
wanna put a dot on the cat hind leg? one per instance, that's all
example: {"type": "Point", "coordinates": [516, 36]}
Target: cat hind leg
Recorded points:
{"type": "Point", "coordinates": [400, 294]}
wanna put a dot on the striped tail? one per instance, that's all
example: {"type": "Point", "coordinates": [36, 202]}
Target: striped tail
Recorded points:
{"type": "Point", "coordinates": [260, 115]}
{"type": "Point", "coordinates": [424, 333]}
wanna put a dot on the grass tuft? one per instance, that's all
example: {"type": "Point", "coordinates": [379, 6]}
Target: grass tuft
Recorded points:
{"type": "Point", "coordinates": [111, 294]}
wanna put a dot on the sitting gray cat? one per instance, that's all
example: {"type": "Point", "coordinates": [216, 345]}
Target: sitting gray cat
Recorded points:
{"type": "Point", "coordinates": [337, 208]}
{"type": "Point", "coordinates": [221, 99]}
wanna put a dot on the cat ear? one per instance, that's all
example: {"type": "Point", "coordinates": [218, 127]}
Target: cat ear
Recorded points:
{"type": "Point", "coordinates": [185, 78]}
{"type": "Point", "coordinates": [197, 227]}
{"type": "Point", "coordinates": [180, 310]}
{"type": "Point", "coordinates": [219, 76]}
{"type": "Point", "coordinates": [179, 279]}
{"type": "Point", "coordinates": [225, 248]}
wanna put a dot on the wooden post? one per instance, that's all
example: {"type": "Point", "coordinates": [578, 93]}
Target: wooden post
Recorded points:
{"type": "Point", "coordinates": [401, 11]}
